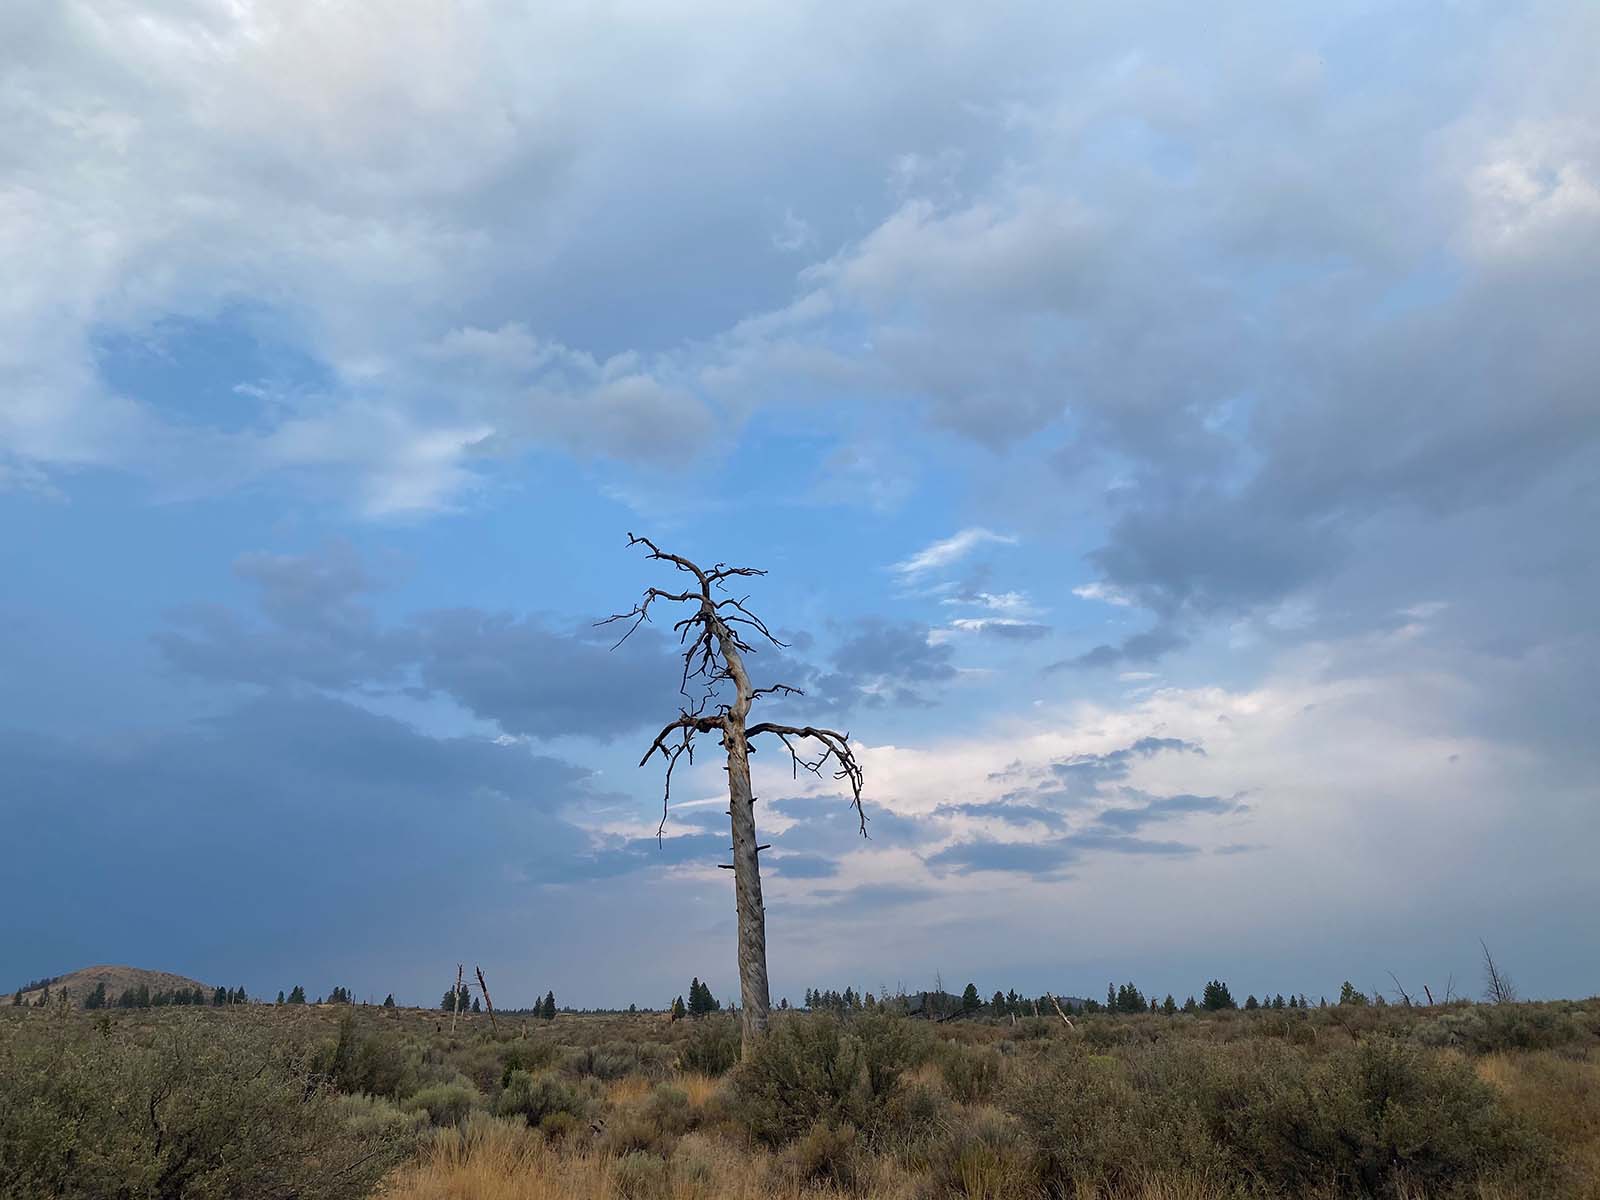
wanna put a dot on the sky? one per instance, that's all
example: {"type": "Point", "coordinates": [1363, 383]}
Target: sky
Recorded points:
{"type": "Point", "coordinates": [1171, 432]}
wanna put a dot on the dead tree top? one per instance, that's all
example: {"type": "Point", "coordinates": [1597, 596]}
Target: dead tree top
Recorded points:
{"type": "Point", "coordinates": [713, 649]}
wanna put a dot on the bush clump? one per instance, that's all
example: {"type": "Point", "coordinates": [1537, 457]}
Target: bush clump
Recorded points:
{"type": "Point", "coordinates": [537, 1098]}
{"type": "Point", "coordinates": [1379, 1118]}
{"type": "Point", "coordinates": [193, 1110]}
{"type": "Point", "coordinates": [447, 1104]}
{"type": "Point", "coordinates": [712, 1048]}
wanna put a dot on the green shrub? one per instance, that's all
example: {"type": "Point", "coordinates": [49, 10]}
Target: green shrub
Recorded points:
{"type": "Point", "coordinates": [712, 1047]}
{"type": "Point", "coordinates": [373, 1063]}
{"type": "Point", "coordinates": [805, 1071]}
{"type": "Point", "coordinates": [531, 1057]}
{"type": "Point", "coordinates": [375, 1116]}
{"type": "Point", "coordinates": [1372, 1119]}
{"type": "Point", "coordinates": [971, 1073]}
{"type": "Point", "coordinates": [1490, 1028]}
{"type": "Point", "coordinates": [616, 1060]}
{"type": "Point", "coordinates": [535, 1097]}
{"type": "Point", "coordinates": [447, 1104]}
{"type": "Point", "coordinates": [191, 1108]}
{"type": "Point", "coordinates": [1380, 1119]}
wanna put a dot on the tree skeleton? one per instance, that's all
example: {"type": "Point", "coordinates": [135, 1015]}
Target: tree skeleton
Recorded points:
{"type": "Point", "coordinates": [713, 654]}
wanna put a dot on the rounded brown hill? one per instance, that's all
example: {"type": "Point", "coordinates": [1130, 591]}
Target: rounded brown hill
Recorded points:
{"type": "Point", "coordinates": [80, 983]}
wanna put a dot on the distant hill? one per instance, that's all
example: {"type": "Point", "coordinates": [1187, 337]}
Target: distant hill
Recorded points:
{"type": "Point", "coordinates": [81, 982]}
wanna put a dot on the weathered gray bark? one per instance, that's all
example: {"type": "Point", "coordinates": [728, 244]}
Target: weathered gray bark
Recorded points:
{"type": "Point", "coordinates": [754, 999]}
{"type": "Point", "coordinates": [714, 656]}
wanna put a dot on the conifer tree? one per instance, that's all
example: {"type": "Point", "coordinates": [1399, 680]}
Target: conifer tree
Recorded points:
{"type": "Point", "coordinates": [998, 1003]}
{"type": "Point", "coordinates": [297, 995]}
{"type": "Point", "coordinates": [1169, 1005]}
{"type": "Point", "coordinates": [280, 995]}
{"type": "Point", "coordinates": [1251, 1003]}
{"type": "Point", "coordinates": [678, 1012]}
{"type": "Point", "coordinates": [548, 1011]}
{"type": "Point", "coordinates": [16, 999]}
{"type": "Point", "coordinates": [388, 1001]}
{"type": "Point", "coordinates": [1217, 997]}
{"type": "Point", "coordinates": [476, 1007]}
{"type": "Point", "coordinates": [970, 1000]}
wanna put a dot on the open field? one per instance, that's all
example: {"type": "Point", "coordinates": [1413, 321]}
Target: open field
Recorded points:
{"type": "Point", "coordinates": [1496, 1102]}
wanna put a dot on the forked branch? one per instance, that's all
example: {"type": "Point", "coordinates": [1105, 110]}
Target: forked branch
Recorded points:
{"type": "Point", "coordinates": [835, 749]}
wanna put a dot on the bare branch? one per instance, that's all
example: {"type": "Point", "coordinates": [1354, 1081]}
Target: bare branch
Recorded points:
{"type": "Point", "coordinates": [688, 724]}
{"type": "Point", "coordinates": [776, 689]}
{"type": "Point", "coordinates": [1405, 996]}
{"type": "Point", "coordinates": [835, 746]}
{"type": "Point", "coordinates": [1497, 985]}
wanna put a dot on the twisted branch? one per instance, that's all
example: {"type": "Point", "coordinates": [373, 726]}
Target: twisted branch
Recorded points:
{"type": "Point", "coordinates": [835, 746]}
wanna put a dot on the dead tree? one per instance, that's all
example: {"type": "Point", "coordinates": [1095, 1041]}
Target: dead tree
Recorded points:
{"type": "Point", "coordinates": [717, 695]}
{"type": "Point", "coordinates": [1497, 985]}
{"type": "Point", "coordinates": [487, 1003]}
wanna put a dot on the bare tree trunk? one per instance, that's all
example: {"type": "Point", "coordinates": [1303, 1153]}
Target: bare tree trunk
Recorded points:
{"type": "Point", "coordinates": [714, 655]}
{"type": "Point", "coordinates": [755, 1002]}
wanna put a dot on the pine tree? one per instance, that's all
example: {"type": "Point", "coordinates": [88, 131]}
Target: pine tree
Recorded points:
{"type": "Point", "coordinates": [1294, 1001]}
{"type": "Point", "coordinates": [548, 1010]}
{"type": "Point", "coordinates": [1277, 1001]}
{"type": "Point", "coordinates": [280, 996]}
{"type": "Point", "coordinates": [476, 1007]}
{"type": "Point", "coordinates": [808, 997]}
{"type": "Point", "coordinates": [1189, 1006]}
{"type": "Point", "coordinates": [388, 1001]}
{"type": "Point", "coordinates": [1111, 997]}
{"type": "Point", "coordinates": [297, 995]}
{"type": "Point", "coordinates": [998, 1004]}
{"type": "Point", "coordinates": [1217, 996]}
{"type": "Point", "coordinates": [1251, 1003]}
{"type": "Point", "coordinates": [1349, 995]}
{"type": "Point", "coordinates": [970, 1000]}
{"type": "Point", "coordinates": [678, 1012]}
{"type": "Point", "coordinates": [1169, 1005]}
{"type": "Point", "coordinates": [16, 999]}
{"type": "Point", "coordinates": [783, 1005]}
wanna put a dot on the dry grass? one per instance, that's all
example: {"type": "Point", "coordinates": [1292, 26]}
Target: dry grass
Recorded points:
{"type": "Point", "coordinates": [1560, 1094]}
{"type": "Point", "coordinates": [501, 1160]}
{"type": "Point", "coordinates": [699, 1088]}
{"type": "Point", "coordinates": [628, 1090]}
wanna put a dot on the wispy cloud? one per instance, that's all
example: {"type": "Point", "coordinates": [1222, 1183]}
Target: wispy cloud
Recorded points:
{"type": "Point", "coordinates": [950, 550]}
{"type": "Point", "coordinates": [1104, 592]}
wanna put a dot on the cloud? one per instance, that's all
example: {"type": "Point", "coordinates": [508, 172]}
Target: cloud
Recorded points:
{"type": "Point", "coordinates": [1161, 808]}
{"type": "Point", "coordinates": [803, 866]}
{"type": "Point", "coordinates": [882, 662]}
{"type": "Point", "coordinates": [941, 554]}
{"type": "Point", "coordinates": [1136, 648]}
{"type": "Point", "coordinates": [1103, 592]}
{"type": "Point", "coordinates": [1001, 627]}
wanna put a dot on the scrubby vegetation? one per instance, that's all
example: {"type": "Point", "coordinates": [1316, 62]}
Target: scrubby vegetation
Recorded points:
{"type": "Point", "coordinates": [1493, 1102]}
